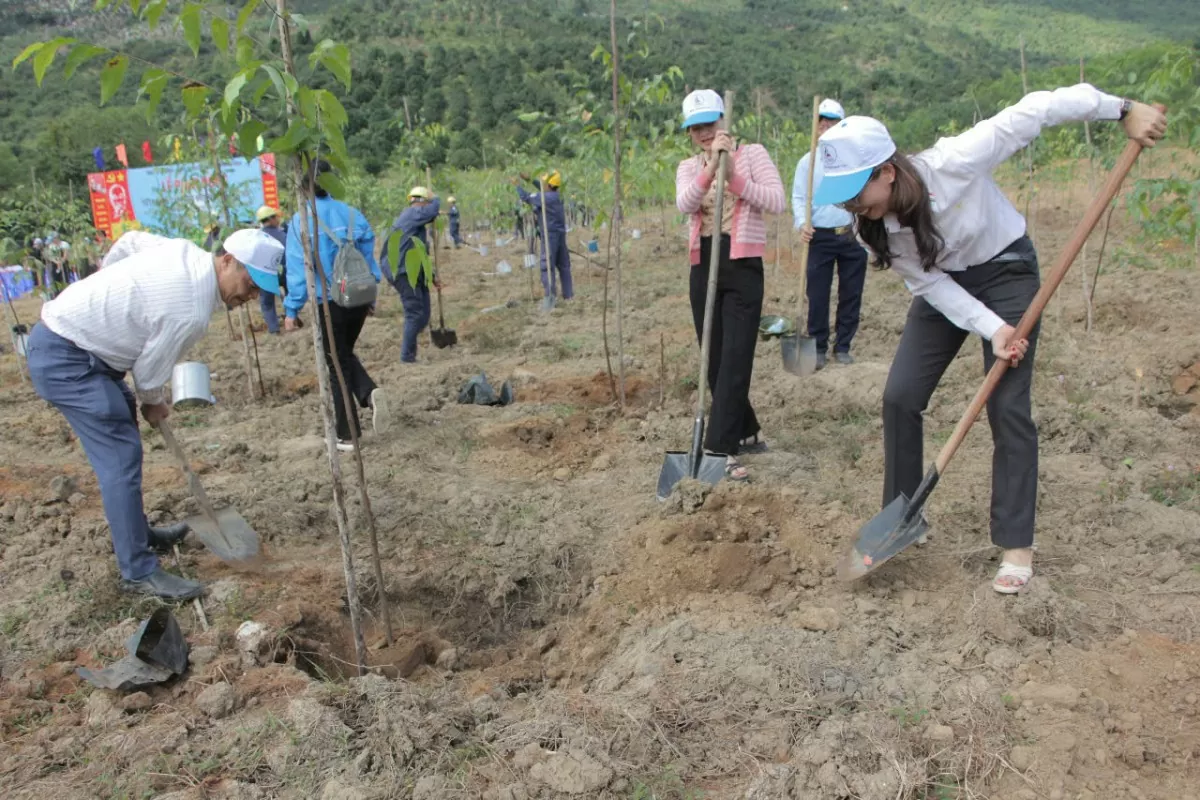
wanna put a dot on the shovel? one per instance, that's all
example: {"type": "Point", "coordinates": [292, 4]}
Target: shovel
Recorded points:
{"type": "Point", "coordinates": [442, 336]}
{"type": "Point", "coordinates": [695, 463]}
{"type": "Point", "coordinates": [799, 350]}
{"type": "Point", "coordinates": [902, 521]}
{"type": "Point", "coordinates": [224, 532]}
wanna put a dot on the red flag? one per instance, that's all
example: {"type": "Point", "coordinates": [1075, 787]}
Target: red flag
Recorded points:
{"type": "Point", "coordinates": [146, 154]}
{"type": "Point", "coordinates": [122, 156]}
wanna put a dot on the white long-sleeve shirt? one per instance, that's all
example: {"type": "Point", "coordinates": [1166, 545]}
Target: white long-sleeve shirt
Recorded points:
{"type": "Point", "coordinates": [823, 216]}
{"type": "Point", "coordinates": [131, 242]}
{"type": "Point", "coordinates": [142, 312]}
{"type": "Point", "coordinates": [972, 214]}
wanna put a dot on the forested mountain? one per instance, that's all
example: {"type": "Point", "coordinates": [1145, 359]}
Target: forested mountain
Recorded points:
{"type": "Point", "coordinates": [472, 66]}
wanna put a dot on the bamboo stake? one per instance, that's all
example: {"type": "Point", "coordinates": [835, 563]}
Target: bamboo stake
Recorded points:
{"type": "Point", "coordinates": [616, 226]}
{"type": "Point", "coordinates": [1091, 179]}
{"type": "Point", "coordinates": [339, 495]}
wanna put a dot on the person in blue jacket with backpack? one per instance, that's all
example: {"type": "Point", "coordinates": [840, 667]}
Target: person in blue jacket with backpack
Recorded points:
{"type": "Point", "coordinates": [340, 225]}
{"type": "Point", "coordinates": [423, 208]}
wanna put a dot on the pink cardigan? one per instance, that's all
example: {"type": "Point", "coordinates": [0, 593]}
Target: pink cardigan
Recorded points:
{"type": "Point", "coordinates": [758, 188]}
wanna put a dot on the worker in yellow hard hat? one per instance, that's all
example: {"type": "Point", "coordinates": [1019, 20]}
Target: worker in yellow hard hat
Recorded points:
{"type": "Point", "coordinates": [413, 287]}
{"type": "Point", "coordinates": [269, 220]}
{"type": "Point", "coordinates": [556, 258]}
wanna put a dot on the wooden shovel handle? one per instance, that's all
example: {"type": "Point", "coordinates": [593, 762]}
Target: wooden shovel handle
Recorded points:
{"type": "Point", "coordinates": [1092, 216]}
{"type": "Point", "coordinates": [808, 204]}
{"type": "Point", "coordinates": [194, 484]}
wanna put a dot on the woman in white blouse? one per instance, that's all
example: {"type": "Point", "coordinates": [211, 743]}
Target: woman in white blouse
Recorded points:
{"type": "Point", "coordinates": [939, 219]}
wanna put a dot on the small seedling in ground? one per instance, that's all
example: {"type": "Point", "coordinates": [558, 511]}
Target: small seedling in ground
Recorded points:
{"type": "Point", "coordinates": [908, 718]}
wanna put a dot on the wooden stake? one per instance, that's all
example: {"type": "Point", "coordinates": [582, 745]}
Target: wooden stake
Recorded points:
{"type": "Point", "coordinates": [616, 226]}
{"type": "Point", "coordinates": [1091, 180]}
{"type": "Point", "coordinates": [662, 370]}
{"type": "Point", "coordinates": [335, 469]}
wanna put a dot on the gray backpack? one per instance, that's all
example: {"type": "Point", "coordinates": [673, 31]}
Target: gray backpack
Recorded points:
{"type": "Point", "coordinates": [352, 284]}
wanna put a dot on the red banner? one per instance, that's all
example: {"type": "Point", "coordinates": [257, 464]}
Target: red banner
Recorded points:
{"type": "Point", "coordinates": [266, 163]}
{"type": "Point", "coordinates": [111, 209]}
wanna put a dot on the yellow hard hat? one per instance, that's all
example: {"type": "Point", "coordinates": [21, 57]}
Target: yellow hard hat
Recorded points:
{"type": "Point", "coordinates": [451, 199]}
{"type": "Point", "coordinates": [553, 179]}
{"type": "Point", "coordinates": [265, 213]}
{"type": "Point", "coordinates": [419, 193]}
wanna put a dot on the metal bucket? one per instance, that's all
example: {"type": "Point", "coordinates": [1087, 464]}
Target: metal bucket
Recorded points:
{"type": "Point", "coordinates": [191, 386]}
{"type": "Point", "coordinates": [483, 249]}
{"type": "Point", "coordinates": [504, 268]}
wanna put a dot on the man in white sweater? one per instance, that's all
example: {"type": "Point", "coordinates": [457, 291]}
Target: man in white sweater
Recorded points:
{"type": "Point", "coordinates": [150, 303]}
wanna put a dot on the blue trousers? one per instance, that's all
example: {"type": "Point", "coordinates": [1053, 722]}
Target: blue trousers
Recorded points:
{"type": "Point", "coordinates": [103, 413]}
{"type": "Point", "coordinates": [266, 303]}
{"type": "Point", "coordinates": [417, 309]}
{"type": "Point", "coordinates": [562, 266]}
{"type": "Point", "coordinates": [830, 252]}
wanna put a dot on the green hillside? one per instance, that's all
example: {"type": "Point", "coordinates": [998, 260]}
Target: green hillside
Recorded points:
{"type": "Point", "coordinates": [473, 65]}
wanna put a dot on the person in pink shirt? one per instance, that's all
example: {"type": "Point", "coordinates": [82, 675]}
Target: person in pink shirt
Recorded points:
{"type": "Point", "coordinates": [752, 186]}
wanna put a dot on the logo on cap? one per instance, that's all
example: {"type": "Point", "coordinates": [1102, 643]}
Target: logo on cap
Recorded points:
{"type": "Point", "coordinates": [829, 156]}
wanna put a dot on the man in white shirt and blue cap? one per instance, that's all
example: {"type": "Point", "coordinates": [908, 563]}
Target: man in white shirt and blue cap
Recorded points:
{"type": "Point", "coordinates": [832, 247]}
{"type": "Point", "coordinates": [149, 305]}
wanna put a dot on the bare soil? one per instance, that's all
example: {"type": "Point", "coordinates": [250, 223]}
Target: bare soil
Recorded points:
{"type": "Point", "coordinates": [560, 633]}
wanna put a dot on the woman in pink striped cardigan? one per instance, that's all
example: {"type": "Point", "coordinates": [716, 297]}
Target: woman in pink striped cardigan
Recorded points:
{"type": "Point", "coordinates": [752, 186]}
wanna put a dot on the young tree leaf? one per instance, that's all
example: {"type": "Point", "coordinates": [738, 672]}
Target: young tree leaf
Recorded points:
{"type": "Point", "coordinates": [154, 12]}
{"type": "Point", "coordinates": [190, 19]}
{"type": "Point", "coordinates": [220, 33]}
{"type": "Point", "coordinates": [244, 15]}
{"type": "Point", "coordinates": [45, 57]}
{"type": "Point", "coordinates": [27, 52]}
{"type": "Point", "coordinates": [245, 51]}
{"type": "Point", "coordinates": [332, 184]}
{"type": "Point", "coordinates": [80, 54]}
{"type": "Point", "coordinates": [248, 137]}
{"type": "Point", "coordinates": [194, 97]}
{"type": "Point", "coordinates": [334, 57]}
{"type": "Point", "coordinates": [154, 80]}
{"type": "Point", "coordinates": [234, 88]}
{"type": "Point", "coordinates": [111, 77]}
{"type": "Point", "coordinates": [331, 108]}
{"type": "Point", "coordinates": [277, 79]}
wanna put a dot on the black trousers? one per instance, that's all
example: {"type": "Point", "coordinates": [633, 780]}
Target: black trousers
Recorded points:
{"type": "Point", "coordinates": [927, 346]}
{"type": "Point", "coordinates": [734, 335]}
{"type": "Point", "coordinates": [829, 252]}
{"type": "Point", "coordinates": [347, 325]}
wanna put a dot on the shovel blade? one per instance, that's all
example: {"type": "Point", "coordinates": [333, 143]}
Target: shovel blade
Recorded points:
{"type": "Point", "coordinates": [443, 337]}
{"type": "Point", "coordinates": [231, 539]}
{"type": "Point", "coordinates": [893, 529]}
{"type": "Point", "coordinates": [678, 465]}
{"type": "Point", "coordinates": [548, 303]}
{"type": "Point", "coordinates": [799, 354]}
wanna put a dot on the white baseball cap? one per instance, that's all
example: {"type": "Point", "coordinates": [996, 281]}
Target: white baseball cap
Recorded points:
{"type": "Point", "coordinates": [831, 109]}
{"type": "Point", "coordinates": [261, 254]}
{"type": "Point", "coordinates": [702, 106]}
{"type": "Point", "coordinates": [849, 151]}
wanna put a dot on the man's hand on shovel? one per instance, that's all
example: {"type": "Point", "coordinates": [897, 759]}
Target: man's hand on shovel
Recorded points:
{"type": "Point", "coordinates": [1003, 345]}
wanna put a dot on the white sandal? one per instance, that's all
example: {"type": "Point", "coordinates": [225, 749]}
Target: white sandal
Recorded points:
{"type": "Point", "coordinates": [1019, 577]}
